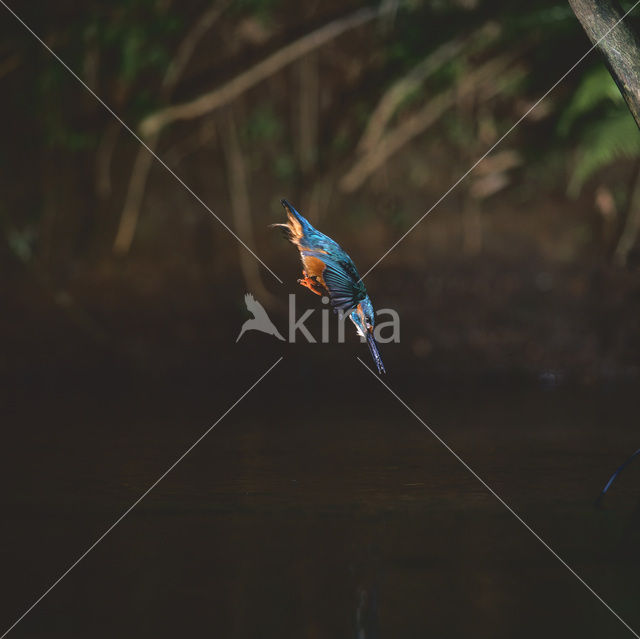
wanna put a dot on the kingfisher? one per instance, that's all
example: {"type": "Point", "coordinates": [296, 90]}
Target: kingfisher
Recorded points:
{"type": "Point", "coordinates": [327, 269]}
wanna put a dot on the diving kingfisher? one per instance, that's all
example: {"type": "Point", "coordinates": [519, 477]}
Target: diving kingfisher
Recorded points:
{"type": "Point", "coordinates": [328, 269]}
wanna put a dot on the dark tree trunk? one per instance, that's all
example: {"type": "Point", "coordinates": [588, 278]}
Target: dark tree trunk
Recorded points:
{"type": "Point", "coordinates": [621, 48]}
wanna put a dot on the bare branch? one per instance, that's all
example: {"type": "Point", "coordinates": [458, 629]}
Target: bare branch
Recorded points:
{"type": "Point", "coordinates": [394, 96]}
{"type": "Point", "coordinates": [418, 122]}
{"type": "Point", "coordinates": [189, 43]}
{"type": "Point", "coordinates": [153, 124]}
{"type": "Point", "coordinates": [143, 161]}
{"type": "Point", "coordinates": [133, 200]}
{"type": "Point", "coordinates": [273, 63]}
{"type": "Point", "coordinates": [241, 206]}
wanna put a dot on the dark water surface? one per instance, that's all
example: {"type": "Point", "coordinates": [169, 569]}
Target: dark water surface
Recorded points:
{"type": "Point", "coordinates": [319, 507]}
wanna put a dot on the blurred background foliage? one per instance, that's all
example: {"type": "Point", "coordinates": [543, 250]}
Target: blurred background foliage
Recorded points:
{"type": "Point", "coordinates": [598, 117]}
{"type": "Point", "coordinates": [363, 132]}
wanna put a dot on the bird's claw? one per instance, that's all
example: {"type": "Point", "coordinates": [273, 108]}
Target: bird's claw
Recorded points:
{"type": "Point", "coordinates": [311, 283]}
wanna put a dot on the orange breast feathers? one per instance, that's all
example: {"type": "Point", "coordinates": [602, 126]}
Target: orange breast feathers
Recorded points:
{"type": "Point", "coordinates": [314, 267]}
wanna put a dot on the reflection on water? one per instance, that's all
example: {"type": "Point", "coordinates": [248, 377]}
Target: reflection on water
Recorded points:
{"type": "Point", "coordinates": [345, 520]}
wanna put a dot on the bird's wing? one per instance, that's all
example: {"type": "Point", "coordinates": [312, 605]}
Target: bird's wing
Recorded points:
{"type": "Point", "coordinates": [345, 289]}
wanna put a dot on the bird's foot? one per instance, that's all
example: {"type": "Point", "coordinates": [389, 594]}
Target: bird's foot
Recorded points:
{"type": "Point", "coordinates": [311, 283]}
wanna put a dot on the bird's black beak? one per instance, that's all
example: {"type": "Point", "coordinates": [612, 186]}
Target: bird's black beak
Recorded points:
{"type": "Point", "coordinates": [373, 347]}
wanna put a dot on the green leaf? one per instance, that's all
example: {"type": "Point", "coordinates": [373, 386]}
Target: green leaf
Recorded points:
{"type": "Point", "coordinates": [610, 139]}
{"type": "Point", "coordinates": [595, 89]}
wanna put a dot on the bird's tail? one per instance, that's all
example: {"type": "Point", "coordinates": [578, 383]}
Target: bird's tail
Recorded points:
{"type": "Point", "coordinates": [373, 347]}
{"type": "Point", "coordinates": [292, 213]}
{"type": "Point", "coordinates": [296, 226]}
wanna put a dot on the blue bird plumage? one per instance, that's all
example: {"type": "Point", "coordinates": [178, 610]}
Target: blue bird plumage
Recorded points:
{"type": "Point", "coordinates": [327, 269]}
